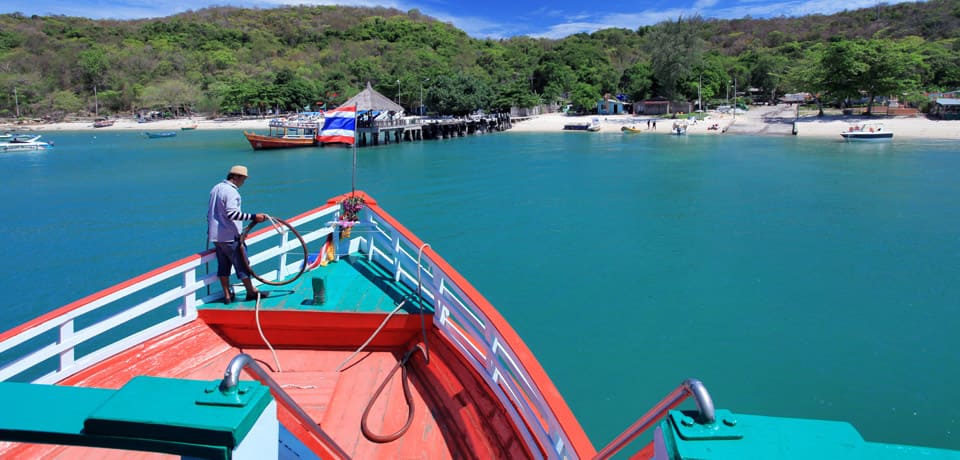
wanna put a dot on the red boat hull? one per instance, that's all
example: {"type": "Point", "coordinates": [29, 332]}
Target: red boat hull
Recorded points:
{"type": "Point", "coordinates": [261, 142]}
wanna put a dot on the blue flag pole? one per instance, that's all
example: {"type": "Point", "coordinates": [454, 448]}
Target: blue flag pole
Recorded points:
{"type": "Point", "coordinates": [353, 182]}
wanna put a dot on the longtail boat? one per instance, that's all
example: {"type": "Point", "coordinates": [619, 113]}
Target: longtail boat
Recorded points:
{"type": "Point", "coordinates": [369, 346]}
{"type": "Point", "coordinates": [298, 131]}
{"type": "Point", "coordinates": [159, 134]}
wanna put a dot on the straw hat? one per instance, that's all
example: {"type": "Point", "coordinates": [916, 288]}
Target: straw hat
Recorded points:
{"type": "Point", "coordinates": [239, 170]}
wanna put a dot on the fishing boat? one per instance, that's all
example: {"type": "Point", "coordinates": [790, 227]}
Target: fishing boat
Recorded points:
{"type": "Point", "coordinates": [630, 130]}
{"type": "Point", "coordinates": [300, 130]}
{"type": "Point", "coordinates": [24, 143]}
{"type": "Point", "coordinates": [103, 123]}
{"type": "Point", "coordinates": [369, 345]}
{"type": "Point", "coordinates": [867, 131]}
{"type": "Point", "coordinates": [160, 134]}
{"type": "Point", "coordinates": [189, 127]}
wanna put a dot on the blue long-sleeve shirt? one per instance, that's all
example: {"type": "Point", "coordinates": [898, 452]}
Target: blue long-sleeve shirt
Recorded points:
{"type": "Point", "coordinates": [224, 213]}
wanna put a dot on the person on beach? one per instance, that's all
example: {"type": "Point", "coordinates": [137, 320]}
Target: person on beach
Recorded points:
{"type": "Point", "coordinates": [224, 229]}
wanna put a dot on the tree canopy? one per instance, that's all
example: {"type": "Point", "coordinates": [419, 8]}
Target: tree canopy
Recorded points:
{"type": "Point", "coordinates": [227, 60]}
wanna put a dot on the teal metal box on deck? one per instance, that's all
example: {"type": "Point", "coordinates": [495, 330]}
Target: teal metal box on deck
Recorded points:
{"type": "Point", "coordinates": [191, 418]}
{"type": "Point", "coordinates": [180, 410]}
{"type": "Point", "coordinates": [743, 437]}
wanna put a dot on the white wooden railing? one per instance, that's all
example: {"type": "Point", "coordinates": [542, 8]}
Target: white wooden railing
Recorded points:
{"type": "Point", "coordinates": [65, 341]}
{"type": "Point", "coordinates": [109, 316]}
{"type": "Point", "coordinates": [460, 319]}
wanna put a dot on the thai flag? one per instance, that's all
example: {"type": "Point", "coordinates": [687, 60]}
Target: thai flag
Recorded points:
{"type": "Point", "coordinates": [339, 125]}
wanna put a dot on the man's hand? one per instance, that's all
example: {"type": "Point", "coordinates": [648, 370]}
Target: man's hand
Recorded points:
{"type": "Point", "coordinates": [260, 217]}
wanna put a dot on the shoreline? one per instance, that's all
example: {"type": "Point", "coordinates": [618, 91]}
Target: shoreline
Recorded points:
{"type": "Point", "coordinates": [130, 124]}
{"type": "Point", "coordinates": [760, 121]}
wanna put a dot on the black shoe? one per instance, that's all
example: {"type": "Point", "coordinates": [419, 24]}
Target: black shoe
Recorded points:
{"type": "Point", "coordinates": [227, 299]}
{"type": "Point", "coordinates": [253, 296]}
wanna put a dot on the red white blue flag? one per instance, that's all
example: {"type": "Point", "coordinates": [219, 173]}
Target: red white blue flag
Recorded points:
{"type": "Point", "coordinates": [339, 125]}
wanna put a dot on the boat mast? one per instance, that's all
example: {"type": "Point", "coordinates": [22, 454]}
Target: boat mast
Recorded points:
{"type": "Point", "coordinates": [16, 101]}
{"type": "Point", "coordinates": [699, 98]}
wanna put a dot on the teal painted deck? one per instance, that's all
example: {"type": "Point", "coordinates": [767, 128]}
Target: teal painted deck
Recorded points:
{"type": "Point", "coordinates": [351, 284]}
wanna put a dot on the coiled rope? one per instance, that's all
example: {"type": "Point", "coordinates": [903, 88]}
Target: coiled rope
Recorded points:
{"type": "Point", "coordinates": [424, 349]}
{"type": "Point", "coordinates": [411, 409]}
{"type": "Point", "coordinates": [276, 223]}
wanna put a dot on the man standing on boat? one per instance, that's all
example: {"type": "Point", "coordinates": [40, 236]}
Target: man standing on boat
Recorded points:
{"type": "Point", "coordinates": [223, 228]}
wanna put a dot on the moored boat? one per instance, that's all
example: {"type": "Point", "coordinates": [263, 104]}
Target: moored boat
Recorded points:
{"type": "Point", "coordinates": [262, 142]}
{"type": "Point", "coordinates": [24, 143]}
{"type": "Point", "coordinates": [298, 131]}
{"type": "Point", "coordinates": [189, 127]}
{"type": "Point", "coordinates": [103, 123]}
{"type": "Point", "coordinates": [679, 128]}
{"type": "Point", "coordinates": [867, 131]}
{"type": "Point", "coordinates": [156, 363]}
{"type": "Point", "coordinates": [160, 134]}
{"type": "Point", "coordinates": [630, 130]}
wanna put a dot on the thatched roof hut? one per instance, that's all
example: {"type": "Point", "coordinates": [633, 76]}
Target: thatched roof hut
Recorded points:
{"type": "Point", "coordinates": [370, 99]}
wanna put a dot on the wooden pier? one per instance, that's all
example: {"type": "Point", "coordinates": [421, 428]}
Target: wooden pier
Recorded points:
{"type": "Point", "coordinates": [415, 129]}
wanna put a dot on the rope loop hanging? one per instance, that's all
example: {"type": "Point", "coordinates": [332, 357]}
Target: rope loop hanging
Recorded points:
{"type": "Point", "coordinates": [278, 225]}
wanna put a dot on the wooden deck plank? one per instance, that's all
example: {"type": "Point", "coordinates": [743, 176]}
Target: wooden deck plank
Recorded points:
{"type": "Point", "coordinates": [454, 416]}
{"type": "Point", "coordinates": [359, 380]}
{"type": "Point", "coordinates": [191, 351]}
{"type": "Point", "coordinates": [312, 390]}
{"type": "Point", "coordinates": [448, 400]}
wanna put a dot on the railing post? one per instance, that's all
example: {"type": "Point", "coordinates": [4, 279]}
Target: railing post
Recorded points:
{"type": "Point", "coordinates": [281, 270]}
{"type": "Point", "coordinates": [66, 356]}
{"type": "Point", "coordinates": [396, 255]}
{"type": "Point", "coordinates": [190, 299]}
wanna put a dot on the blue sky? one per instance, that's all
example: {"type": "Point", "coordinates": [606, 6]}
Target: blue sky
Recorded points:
{"type": "Point", "coordinates": [478, 18]}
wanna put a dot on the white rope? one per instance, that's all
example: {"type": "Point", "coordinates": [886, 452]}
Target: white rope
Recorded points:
{"type": "Point", "coordinates": [260, 330]}
{"type": "Point", "coordinates": [382, 324]}
{"type": "Point", "coordinates": [276, 225]}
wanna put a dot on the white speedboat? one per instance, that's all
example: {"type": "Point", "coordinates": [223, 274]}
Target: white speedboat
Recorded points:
{"type": "Point", "coordinates": [679, 128]}
{"type": "Point", "coordinates": [867, 131]}
{"type": "Point", "coordinates": [25, 144]}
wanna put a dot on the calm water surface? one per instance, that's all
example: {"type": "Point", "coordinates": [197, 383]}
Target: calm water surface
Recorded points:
{"type": "Point", "coordinates": [795, 277]}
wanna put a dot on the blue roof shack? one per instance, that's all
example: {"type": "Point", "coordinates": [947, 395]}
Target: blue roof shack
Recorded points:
{"type": "Point", "coordinates": [610, 106]}
{"type": "Point", "coordinates": [946, 109]}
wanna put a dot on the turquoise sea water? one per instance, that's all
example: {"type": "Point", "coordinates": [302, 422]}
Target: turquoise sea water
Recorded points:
{"type": "Point", "coordinates": [794, 277]}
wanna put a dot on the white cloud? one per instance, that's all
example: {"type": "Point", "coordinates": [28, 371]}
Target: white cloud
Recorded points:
{"type": "Point", "coordinates": [703, 4]}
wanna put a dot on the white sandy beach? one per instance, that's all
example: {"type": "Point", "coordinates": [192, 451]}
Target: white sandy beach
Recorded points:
{"type": "Point", "coordinates": [769, 120]}
{"type": "Point", "coordinates": [130, 124]}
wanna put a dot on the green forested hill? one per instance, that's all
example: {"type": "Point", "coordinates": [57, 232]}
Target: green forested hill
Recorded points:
{"type": "Point", "coordinates": [230, 60]}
